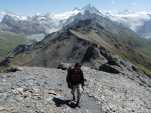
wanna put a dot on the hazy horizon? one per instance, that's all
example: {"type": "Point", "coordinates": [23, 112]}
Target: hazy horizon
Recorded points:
{"type": "Point", "coordinates": [31, 7]}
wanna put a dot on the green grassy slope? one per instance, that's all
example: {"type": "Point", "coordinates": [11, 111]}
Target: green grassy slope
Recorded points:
{"type": "Point", "coordinates": [8, 41]}
{"type": "Point", "coordinates": [118, 40]}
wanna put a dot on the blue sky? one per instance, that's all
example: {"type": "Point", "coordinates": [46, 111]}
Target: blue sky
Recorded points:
{"type": "Point", "coordinates": [30, 7]}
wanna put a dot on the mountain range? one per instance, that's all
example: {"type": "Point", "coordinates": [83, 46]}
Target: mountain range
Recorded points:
{"type": "Point", "coordinates": [116, 63]}
{"type": "Point", "coordinates": [81, 36]}
{"type": "Point", "coordinates": [139, 22]}
{"type": "Point", "coordinates": [75, 33]}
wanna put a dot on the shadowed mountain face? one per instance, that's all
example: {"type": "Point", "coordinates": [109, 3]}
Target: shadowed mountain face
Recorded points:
{"type": "Point", "coordinates": [144, 30]}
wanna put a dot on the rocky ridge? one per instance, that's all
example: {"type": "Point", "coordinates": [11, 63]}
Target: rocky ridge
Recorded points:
{"type": "Point", "coordinates": [44, 90]}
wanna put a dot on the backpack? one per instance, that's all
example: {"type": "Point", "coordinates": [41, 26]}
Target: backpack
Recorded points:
{"type": "Point", "coordinates": [75, 75]}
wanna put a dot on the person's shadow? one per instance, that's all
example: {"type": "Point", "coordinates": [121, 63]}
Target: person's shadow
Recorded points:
{"type": "Point", "coordinates": [59, 102]}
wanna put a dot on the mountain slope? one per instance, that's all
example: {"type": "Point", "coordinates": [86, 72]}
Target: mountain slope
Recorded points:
{"type": "Point", "coordinates": [71, 43]}
{"type": "Point", "coordinates": [9, 41]}
{"type": "Point", "coordinates": [92, 39]}
{"type": "Point", "coordinates": [144, 30]}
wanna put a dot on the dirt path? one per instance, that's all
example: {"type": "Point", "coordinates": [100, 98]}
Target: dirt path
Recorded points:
{"type": "Point", "coordinates": [44, 90]}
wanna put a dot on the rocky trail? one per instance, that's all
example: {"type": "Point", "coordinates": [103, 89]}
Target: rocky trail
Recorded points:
{"type": "Point", "coordinates": [44, 90]}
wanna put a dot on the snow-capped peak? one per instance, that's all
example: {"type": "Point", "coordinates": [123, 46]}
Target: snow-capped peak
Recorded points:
{"type": "Point", "coordinates": [125, 12]}
{"type": "Point", "coordinates": [129, 18]}
{"type": "Point", "coordinates": [57, 17]}
{"type": "Point", "coordinates": [91, 9]}
{"type": "Point", "coordinates": [11, 15]}
{"type": "Point", "coordinates": [65, 15]}
{"type": "Point", "coordinates": [75, 11]}
{"type": "Point", "coordinates": [2, 15]}
{"type": "Point", "coordinates": [49, 21]}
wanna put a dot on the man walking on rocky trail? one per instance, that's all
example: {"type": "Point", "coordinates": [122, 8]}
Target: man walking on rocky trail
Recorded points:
{"type": "Point", "coordinates": [75, 79]}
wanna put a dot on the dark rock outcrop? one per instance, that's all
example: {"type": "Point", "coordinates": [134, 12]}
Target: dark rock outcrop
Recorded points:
{"type": "Point", "coordinates": [5, 62]}
{"type": "Point", "coordinates": [22, 48]}
{"type": "Point", "coordinates": [108, 68]}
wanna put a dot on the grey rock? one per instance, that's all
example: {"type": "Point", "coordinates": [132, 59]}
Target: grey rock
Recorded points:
{"type": "Point", "coordinates": [33, 90]}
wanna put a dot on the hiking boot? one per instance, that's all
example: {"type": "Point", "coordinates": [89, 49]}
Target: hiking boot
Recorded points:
{"type": "Point", "coordinates": [77, 104]}
{"type": "Point", "coordinates": [73, 98]}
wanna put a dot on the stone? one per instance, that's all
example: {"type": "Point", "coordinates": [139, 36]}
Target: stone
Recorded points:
{"type": "Point", "coordinates": [103, 92]}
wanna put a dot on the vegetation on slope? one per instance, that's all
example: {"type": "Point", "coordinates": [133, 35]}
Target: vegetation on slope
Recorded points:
{"type": "Point", "coordinates": [117, 39]}
{"type": "Point", "coordinates": [8, 41]}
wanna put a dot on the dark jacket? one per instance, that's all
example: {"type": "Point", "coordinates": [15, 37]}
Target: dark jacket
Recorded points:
{"type": "Point", "coordinates": [72, 82]}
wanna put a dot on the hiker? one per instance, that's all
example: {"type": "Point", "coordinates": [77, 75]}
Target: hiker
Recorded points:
{"type": "Point", "coordinates": [75, 79]}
